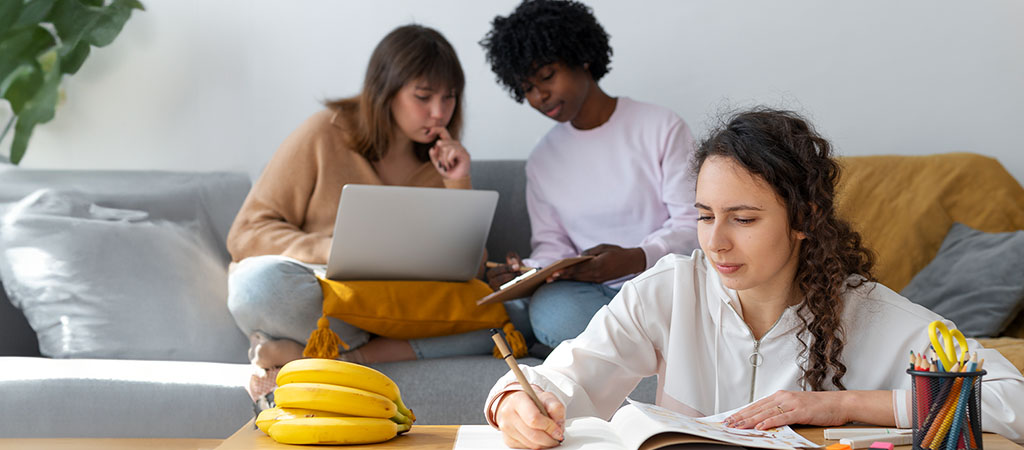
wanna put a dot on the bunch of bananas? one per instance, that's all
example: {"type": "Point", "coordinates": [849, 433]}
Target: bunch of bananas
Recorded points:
{"type": "Point", "coordinates": [324, 401]}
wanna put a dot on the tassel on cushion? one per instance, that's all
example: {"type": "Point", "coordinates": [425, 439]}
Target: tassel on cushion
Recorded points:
{"type": "Point", "coordinates": [323, 343]}
{"type": "Point", "coordinates": [515, 339]}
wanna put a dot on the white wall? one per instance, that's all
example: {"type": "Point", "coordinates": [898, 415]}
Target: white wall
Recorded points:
{"type": "Point", "coordinates": [217, 84]}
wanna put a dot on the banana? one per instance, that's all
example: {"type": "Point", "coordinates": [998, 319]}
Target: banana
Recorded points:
{"type": "Point", "coordinates": [268, 416]}
{"type": "Point", "coordinates": [333, 430]}
{"type": "Point", "coordinates": [342, 373]}
{"type": "Point", "coordinates": [339, 399]}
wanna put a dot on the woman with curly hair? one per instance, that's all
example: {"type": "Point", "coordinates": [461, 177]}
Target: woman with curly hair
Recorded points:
{"type": "Point", "coordinates": [608, 180]}
{"type": "Point", "coordinates": [778, 306]}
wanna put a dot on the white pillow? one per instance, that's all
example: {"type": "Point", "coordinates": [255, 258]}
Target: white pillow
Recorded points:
{"type": "Point", "coordinates": [98, 282]}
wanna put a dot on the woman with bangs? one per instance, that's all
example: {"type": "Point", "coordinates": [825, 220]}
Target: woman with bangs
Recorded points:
{"type": "Point", "coordinates": [401, 130]}
{"type": "Point", "coordinates": [778, 310]}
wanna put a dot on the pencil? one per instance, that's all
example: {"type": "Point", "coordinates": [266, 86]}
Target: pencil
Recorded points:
{"type": "Point", "coordinates": [492, 264]}
{"type": "Point", "coordinates": [512, 364]}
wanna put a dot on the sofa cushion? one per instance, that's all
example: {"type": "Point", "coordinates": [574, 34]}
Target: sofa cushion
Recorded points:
{"type": "Point", "coordinates": [903, 206]}
{"type": "Point", "coordinates": [164, 399]}
{"type": "Point", "coordinates": [16, 336]}
{"type": "Point", "coordinates": [510, 229]}
{"type": "Point", "coordinates": [85, 398]}
{"type": "Point", "coordinates": [211, 198]}
{"type": "Point", "coordinates": [447, 391]}
{"type": "Point", "coordinates": [976, 280]}
{"type": "Point", "coordinates": [98, 282]}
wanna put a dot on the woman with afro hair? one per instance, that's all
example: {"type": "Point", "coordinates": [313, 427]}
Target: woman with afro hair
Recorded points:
{"type": "Point", "coordinates": [609, 180]}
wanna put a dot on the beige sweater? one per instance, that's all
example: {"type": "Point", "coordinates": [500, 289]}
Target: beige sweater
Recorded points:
{"type": "Point", "coordinates": [291, 209]}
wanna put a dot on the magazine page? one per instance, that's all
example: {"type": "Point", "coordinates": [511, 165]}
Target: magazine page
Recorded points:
{"type": "Point", "coordinates": [633, 433]}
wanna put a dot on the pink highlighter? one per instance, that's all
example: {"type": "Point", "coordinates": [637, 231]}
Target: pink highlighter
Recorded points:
{"type": "Point", "coordinates": [881, 445]}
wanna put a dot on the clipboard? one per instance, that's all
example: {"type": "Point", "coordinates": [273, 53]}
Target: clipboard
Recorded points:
{"type": "Point", "coordinates": [527, 283]}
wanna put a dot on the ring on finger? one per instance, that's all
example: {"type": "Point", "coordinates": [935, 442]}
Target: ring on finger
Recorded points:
{"type": "Point", "coordinates": [779, 407]}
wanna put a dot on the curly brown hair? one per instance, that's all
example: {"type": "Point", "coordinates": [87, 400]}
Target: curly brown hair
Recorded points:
{"type": "Point", "coordinates": [782, 148]}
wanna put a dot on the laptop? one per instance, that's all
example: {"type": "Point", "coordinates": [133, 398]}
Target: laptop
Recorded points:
{"type": "Point", "coordinates": [409, 233]}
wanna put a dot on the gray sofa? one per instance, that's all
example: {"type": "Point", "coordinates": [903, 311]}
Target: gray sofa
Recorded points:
{"type": "Point", "coordinates": [185, 391]}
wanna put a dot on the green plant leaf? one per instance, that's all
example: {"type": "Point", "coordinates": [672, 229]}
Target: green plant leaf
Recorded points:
{"type": "Point", "coordinates": [9, 11]}
{"type": "Point", "coordinates": [110, 24]}
{"type": "Point", "coordinates": [40, 108]}
{"type": "Point", "coordinates": [34, 12]}
{"type": "Point", "coordinates": [22, 46]}
{"type": "Point", "coordinates": [20, 141]}
{"type": "Point", "coordinates": [73, 21]}
{"type": "Point", "coordinates": [22, 85]}
{"type": "Point", "coordinates": [31, 61]}
{"type": "Point", "coordinates": [72, 61]}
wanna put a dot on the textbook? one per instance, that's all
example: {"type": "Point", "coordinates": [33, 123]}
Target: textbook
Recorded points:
{"type": "Point", "coordinates": [528, 282]}
{"type": "Point", "coordinates": [642, 426]}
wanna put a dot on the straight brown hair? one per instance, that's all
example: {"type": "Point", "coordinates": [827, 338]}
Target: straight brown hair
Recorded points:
{"type": "Point", "coordinates": [407, 53]}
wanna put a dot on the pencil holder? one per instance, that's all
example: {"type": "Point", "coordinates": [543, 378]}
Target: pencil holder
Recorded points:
{"type": "Point", "coordinates": [947, 410]}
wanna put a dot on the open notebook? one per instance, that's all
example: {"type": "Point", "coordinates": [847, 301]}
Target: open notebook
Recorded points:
{"type": "Point", "coordinates": [641, 426]}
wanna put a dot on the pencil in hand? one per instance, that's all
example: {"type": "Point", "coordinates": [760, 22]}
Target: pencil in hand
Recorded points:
{"type": "Point", "coordinates": [492, 264]}
{"type": "Point", "coordinates": [512, 364]}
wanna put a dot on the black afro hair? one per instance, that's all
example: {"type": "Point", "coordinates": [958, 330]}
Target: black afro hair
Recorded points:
{"type": "Point", "coordinates": [541, 32]}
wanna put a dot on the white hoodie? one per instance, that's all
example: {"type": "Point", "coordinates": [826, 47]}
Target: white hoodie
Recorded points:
{"type": "Point", "coordinates": [678, 321]}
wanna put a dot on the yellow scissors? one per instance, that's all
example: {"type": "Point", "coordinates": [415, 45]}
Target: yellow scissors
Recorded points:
{"type": "Point", "coordinates": [946, 349]}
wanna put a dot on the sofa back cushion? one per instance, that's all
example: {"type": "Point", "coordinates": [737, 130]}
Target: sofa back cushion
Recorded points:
{"type": "Point", "coordinates": [16, 336]}
{"type": "Point", "coordinates": [510, 230]}
{"type": "Point", "coordinates": [213, 198]}
{"type": "Point", "coordinates": [903, 206]}
{"type": "Point", "coordinates": [976, 280]}
{"type": "Point", "coordinates": [168, 252]}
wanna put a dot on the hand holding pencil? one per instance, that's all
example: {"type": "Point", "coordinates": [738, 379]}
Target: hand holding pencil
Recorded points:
{"type": "Point", "coordinates": [527, 418]}
{"type": "Point", "coordinates": [499, 274]}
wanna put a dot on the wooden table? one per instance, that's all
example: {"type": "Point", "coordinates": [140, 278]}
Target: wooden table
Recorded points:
{"type": "Point", "coordinates": [420, 437]}
{"type": "Point", "coordinates": [990, 441]}
{"type": "Point", "coordinates": [442, 437]}
{"type": "Point", "coordinates": [427, 437]}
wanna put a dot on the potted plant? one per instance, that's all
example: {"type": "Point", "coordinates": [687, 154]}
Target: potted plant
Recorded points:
{"type": "Point", "coordinates": [41, 41]}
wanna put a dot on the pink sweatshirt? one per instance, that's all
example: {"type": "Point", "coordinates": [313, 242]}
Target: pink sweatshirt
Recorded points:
{"type": "Point", "coordinates": [626, 182]}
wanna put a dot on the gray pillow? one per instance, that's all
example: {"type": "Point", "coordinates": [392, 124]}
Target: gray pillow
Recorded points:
{"type": "Point", "coordinates": [976, 280]}
{"type": "Point", "coordinates": [99, 282]}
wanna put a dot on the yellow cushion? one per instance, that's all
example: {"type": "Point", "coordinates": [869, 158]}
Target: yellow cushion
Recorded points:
{"type": "Point", "coordinates": [904, 206]}
{"type": "Point", "coordinates": [412, 309]}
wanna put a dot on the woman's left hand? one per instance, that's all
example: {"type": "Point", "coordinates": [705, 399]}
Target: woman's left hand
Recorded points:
{"type": "Point", "coordinates": [821, 408]}
{"type": "Point", "coordinates": [448, 155]}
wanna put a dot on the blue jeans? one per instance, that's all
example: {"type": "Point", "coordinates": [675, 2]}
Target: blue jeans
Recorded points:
{"type": "Point", "coordinates": [562, 309]}
{"type": "Point", "coordinates": [281, 297]}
